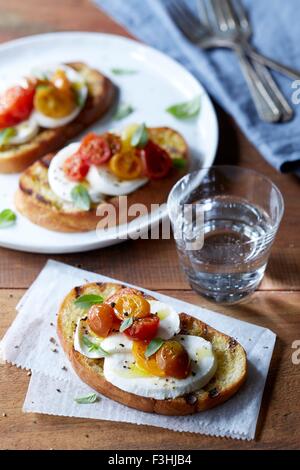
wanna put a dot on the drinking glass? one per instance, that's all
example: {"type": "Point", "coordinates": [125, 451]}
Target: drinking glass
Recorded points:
{"type": "Point", "coordinates": [224, 221]}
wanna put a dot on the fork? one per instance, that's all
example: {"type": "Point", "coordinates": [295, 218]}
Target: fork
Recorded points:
{"type": "Point", "coordinates": [202, 36]}
{"type": "Point", "coordinates": [232, 23]}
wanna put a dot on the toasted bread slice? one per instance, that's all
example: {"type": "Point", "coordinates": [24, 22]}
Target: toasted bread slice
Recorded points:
{"type": "Point", "coordinates": [231, 357]}
{"type": "Point", "coordinates": [15, 158]}
{"type": "Point", "coordinates": [36, 201]}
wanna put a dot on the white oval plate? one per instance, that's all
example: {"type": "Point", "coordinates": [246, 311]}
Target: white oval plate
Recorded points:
{"type": "Point", "coordinates": [158, 83]}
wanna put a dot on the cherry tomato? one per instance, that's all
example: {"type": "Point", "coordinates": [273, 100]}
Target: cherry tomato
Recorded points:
{"type": "Point", "coordinates": [148, 364]}
{"type": "Point", "coordinates": [95, 149]}
{"type": "Point", "coordinates": [114, 142]}
{"type": "Point", "coordinates": [131, 305]}
{"type": "Point", "coordinates": [126, 165]}
{"type": "Point", "coordinates": [61, 81]}
{"type": "Point", "coordinates": [143, 329]}
{"type": "Point", "coordinates": [16, 105]}
{"type": "Point", "coordinates": [75, 167]}
{"type": "Point", "coordinates": [157, 162]}
{"type": "Point", "coordinates": [173, 359]}
{"type": "Point", "coordinates": [101, 319]}
{"type": "Point", "coordinates": [54, 102]}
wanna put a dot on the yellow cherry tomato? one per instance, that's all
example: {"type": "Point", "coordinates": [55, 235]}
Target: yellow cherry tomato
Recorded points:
{"type": "Point", "coordinates": [53, 102]}
{"type": "Point", "coordinates": [61, 81]}
{"type": "Point", "coordinates": [148, 364]}
{"type": "Point", "coordinates": [126, 165]}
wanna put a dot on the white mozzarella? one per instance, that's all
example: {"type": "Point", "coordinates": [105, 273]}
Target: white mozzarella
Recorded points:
{"type": "Point", "coordinates": [86, 343]}
{"type": "Point", "coordinates": [24, 132]}
{"type": "Point", "coordinates": [107, 183]}
{"type": "Point", "coordinates": [82, 90]}
{"type": "Point", "coordinates": [117, 343]}
{"type": "Point", "coordinates": [58, 181]}
{"type": "Point", "coordinates": [169, 320]}
{"type": "Point", "coordinates": [121, 370]}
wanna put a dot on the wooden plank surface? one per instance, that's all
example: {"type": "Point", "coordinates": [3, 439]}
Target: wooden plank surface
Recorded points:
{"type": "Point", "coordinates": [153, 264]}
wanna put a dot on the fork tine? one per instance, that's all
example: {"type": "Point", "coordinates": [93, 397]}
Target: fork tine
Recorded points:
{"type": "Point", "coordinates": [229, 14]}
{"type": "Point", "coordinates": [212, 12]}
{"type": "Point", "coordinates": [238, 8]}
{"type": "Point", "coordinates": [189, 25]}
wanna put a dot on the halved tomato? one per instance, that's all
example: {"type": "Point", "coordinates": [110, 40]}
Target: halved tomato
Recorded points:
{"type": "Point", "coordinates": [95, 149]}
{"type": "Point", "coordinates": [16, 105]}
{"type": "Point", "coordinates": [75, 167]}
{"type": "Point", "coordinates": [143, 329]}
{"type": "Point", "coordinates": [157, 162]}
{"type": "Point", "coordinates": [148, 364]}
{"type": "Point", "coordinates": [114, 142]}
{"type": "Point", "coordinates": [131, 305]}
{"type": "Point", "coordinates": [126, 165]}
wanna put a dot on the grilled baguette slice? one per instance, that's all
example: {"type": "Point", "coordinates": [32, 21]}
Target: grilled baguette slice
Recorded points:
{"type": "Point", "coordinates": [230, 375]}
{"type": "Point", "coordinates": [15, 158]}
{"type": "Point", "coordinates": [36, 201]}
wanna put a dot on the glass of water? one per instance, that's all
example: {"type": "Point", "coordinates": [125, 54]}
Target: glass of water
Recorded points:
{"type": "Point", "coordinates": [224, 221]}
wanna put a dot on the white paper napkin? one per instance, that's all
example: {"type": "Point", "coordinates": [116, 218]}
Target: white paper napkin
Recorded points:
{"type": "Point", "coordinates": [31, 342]}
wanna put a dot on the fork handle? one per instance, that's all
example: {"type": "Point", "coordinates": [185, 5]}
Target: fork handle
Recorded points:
{"type": "Point", "coordinates": [273, 64]}
{"type": "Point", "coordinates": [265, 105]}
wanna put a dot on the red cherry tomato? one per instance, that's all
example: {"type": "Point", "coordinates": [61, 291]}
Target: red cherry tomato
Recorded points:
{"type": "Point", "coordinates": [95, 149]}
{"type": "Point", "coordinates": [157, 162]}
{"type": "Point", "coordinates": [75, 167]}
{"type": "Point", "coordinates": [16, 105]}
{"type": "Point", "coordinates": [143, 329]}
{"type": "Point", "coordinates": [101, 319]}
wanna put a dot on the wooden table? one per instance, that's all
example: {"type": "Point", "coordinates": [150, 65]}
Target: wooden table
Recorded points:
{"type": "Point", "coordinates": [153, 264]}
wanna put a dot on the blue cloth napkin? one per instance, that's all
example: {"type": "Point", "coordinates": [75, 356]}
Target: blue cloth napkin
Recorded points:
{"type": "Point", "coordinates": [276, 33]}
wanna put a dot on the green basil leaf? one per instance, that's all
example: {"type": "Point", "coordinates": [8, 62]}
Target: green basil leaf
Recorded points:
{"type": "Point", "coordinates": [153, 346]}
{"type": "Point", "coordinates": [6, 135]}
{"type": "Point", "coordinates": [86, 301]}
{"type": "Point", "coordinates": [91, 398]}
{"type": "Point", "coordinates": [7, 218]}
{"type": "Point", "coordinates": [140, 137]}
{"type": "Point", "coordinates": [81, 198]}
{"type": "Point", "coordinates": [126, 324]}
{"type": "Point", "coordinates": [185, 110]}
{"type": "Point", "coordinates": [179, 163]}
{"type": "Point", "coordinates": [123, 111]}
{"type": "Point", "coordinates": [94, 346]}
{"type": "Point", "coordinates": [119, 71]}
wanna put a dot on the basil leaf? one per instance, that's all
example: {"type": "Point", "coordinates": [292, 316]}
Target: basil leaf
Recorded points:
{"type": "Point", "coordinates": [91, 398]}
{"type": "Point", "coordinates": [77, 87]}
{"type": "Point", "coordinates": [140, 137]}
{"type": "Point", "coordinates": [123, 111]}
{"type": "Point", "coordinates": [126, 324]}
{"type": "Point", "coordinates": [153, 346]}
{"type": "Point", "coordinates": [94, 346]}
{"type": "Point", "coordinates": [86, 301]}
{"type": "Point", "coordinates": [7, 218]}
{"type": "Point", "coordinates": [185, 110]}
{"type": "Point", "coordinates": [6, 135]}
{"type": "Point", "coordinates": [179, 163]}
{"type": "Point", "coordinates": [120, 71]}
{"type": "Point", "coordinates": [81, 198]}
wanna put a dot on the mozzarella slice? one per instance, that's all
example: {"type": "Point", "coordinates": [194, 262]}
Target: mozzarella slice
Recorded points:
{"type": "Point", "coordinates": [107, 183]}
{"type": "Point", "coordinates": [169, 320]}
{"type": "Point", "coordinates": [86, 343]}
{"type": "Point", "coordinates": [117, 343]}
{"type": "Point", "coordinates": [58, 181]}
{"type": "Point", "coordinates": [81, 88]}
{"type": "Point", "coordinates": [121, 371]}
{"type": "Point", "coordinates": [24, 132]}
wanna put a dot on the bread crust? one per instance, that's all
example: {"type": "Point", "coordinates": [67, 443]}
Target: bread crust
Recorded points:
{"type": "Point", "coordinates": [208, 397]}
{"type": "Point", "coordinates": [15, 159]}
{"type": "Point", "coordinates": [36, 208]}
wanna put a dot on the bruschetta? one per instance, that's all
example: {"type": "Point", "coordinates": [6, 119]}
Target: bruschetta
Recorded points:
{"type": "Point", "coordinates": [63, 191]}
{"type": "Point", "coordinates": [140, 352]}
{"type": "Point", "coordinates": [42, 112]}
